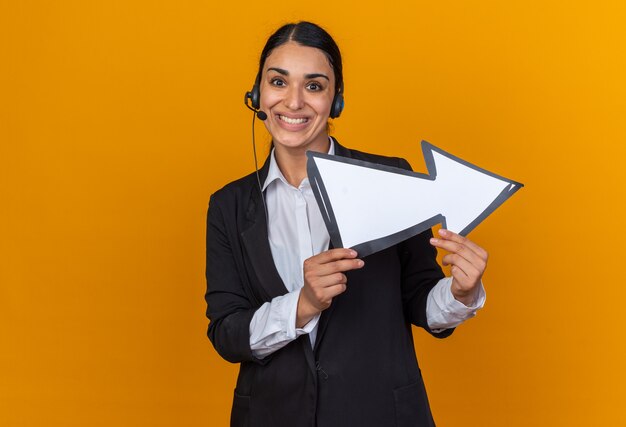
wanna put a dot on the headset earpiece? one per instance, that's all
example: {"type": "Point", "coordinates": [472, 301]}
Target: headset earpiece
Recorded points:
{"type": "Point", "coordinates": [255, 94]}
{"type": "Point", "coordinates": [338, 103]}
{"type": "Point", "coordinates": [255, 97]}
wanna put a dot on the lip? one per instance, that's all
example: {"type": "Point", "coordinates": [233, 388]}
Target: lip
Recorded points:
{"type": "Point", "coordinates": [292, 126]}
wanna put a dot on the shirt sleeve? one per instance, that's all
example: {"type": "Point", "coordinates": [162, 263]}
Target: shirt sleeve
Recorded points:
{"type": "Point", "coordinates": [443, 311]}
{"type": "Point", "coordinates": [273, 325]}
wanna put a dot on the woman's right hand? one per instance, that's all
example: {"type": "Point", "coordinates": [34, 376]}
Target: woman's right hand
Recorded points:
{"type": "Point", "coordinates": [324, 280]}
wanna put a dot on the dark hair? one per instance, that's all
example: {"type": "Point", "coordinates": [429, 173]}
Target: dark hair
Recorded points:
{"type": "Point", "coordinates": [310, 35]}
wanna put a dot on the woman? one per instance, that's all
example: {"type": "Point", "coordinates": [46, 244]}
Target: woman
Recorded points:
{"type": "Point", "coordinates": [323, 337]}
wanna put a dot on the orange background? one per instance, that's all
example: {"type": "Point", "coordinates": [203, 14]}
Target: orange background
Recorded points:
{"type": "Point", "coordinates": [118, 119]}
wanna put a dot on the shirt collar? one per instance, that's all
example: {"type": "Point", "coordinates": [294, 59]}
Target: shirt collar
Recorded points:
{"type": "Point", "coordinates": [274, 172]}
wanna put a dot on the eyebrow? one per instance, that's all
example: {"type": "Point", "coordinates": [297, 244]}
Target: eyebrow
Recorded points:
{"type": "Point", "coordinates": [306, 76]}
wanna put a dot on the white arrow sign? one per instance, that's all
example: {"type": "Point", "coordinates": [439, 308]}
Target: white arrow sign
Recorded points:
{"type": "Point", "coordinates": [369, 207]}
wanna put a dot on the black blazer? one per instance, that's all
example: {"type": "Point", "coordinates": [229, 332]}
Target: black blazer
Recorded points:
{"type": "Point", "coordinates": [363, 370]}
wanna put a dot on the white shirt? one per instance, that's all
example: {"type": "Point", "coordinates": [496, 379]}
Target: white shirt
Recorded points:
{"type": "Point", "coordinates": [296, 232]}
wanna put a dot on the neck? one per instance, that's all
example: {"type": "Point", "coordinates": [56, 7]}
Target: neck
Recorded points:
{"type": "Point", "coordinates": [292, 161]}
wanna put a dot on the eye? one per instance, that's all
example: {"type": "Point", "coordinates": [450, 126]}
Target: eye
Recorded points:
{"type": "Point", "coordinates": [314, 87]}
{"type": "Point", "coordinates": [276, 81]}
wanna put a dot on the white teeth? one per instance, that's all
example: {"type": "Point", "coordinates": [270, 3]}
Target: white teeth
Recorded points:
{"type": "Point", "coordinates": [292, 121]}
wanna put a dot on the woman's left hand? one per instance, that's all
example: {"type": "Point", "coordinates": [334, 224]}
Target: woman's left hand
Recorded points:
{"type": "Point", "coordinates": [468, 261]}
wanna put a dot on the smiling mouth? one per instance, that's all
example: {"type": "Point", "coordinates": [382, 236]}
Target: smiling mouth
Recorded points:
{"type": "Point", "coordinates": [293, 121]}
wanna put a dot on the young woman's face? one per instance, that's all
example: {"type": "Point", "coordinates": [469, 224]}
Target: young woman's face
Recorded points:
{"type": "Point", "coordinates": [297, 90]}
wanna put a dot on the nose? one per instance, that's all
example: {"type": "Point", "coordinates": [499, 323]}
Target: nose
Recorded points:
{"type": "Point", "coordinates": [294, 99]}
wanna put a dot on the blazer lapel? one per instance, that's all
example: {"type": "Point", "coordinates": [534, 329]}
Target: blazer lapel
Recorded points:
{"type": "Point", "coordinates": [256, 243]}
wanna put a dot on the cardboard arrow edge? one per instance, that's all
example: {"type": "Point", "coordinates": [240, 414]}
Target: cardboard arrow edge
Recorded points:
{"type": "Point", "coordinates": [372, 246]}
{"type": "Point", "coordinates": [513, 187]}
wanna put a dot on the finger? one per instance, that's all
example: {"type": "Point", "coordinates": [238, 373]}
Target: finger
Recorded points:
{"type": "Point", "coordinates": [333, 255]}
{"type": "Point", "coordinates": [450, 235]}
{"type": "Point", "coordinates": [459, 258]}
{"type": "Point", "coordinates": [336, 266]}
{"type": "Point", "coordinates": [454, 237]}
{"type": "Point", "coordinates": [467, 268]}
{"type": "Point", "coordinates": [459, 275]}
{"type": "Point", "coordinates": [328, 280]}
{"type": "Point", "coordinates": [321, 298]}
{"type": "Point", "coordinates": [460, 249]}
{"type": "Point", "coordinates": [335, 290]}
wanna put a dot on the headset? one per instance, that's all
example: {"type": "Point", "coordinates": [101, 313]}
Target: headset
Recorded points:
{"type": "Point", "coordinates": [255, 101]}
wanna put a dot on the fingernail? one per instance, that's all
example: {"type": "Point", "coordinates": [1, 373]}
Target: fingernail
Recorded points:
{"type": "Point", "coordinates": [443, 232]}
{"type": "Point", "coordinates": [360, 263]}
{"type": "Point", "coordinates": [433, 241]}
{"type": "Point", "coordinates": [352, 252]}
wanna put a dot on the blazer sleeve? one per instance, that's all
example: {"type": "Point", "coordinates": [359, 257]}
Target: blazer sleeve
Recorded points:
{"type": "Point", "coordinates": [229, 308]}
{"type": "Point", "coordinates": [420, 273]}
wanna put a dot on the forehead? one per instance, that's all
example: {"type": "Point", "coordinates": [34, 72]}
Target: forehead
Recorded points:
{"type": "Point", "coordinates": [298, 59]}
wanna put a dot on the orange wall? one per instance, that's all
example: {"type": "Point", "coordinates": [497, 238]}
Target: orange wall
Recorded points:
{"type": "Point", "coordinates": [118, 119]}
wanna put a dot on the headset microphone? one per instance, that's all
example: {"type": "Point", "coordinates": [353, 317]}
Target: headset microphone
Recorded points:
{"type": "Point", "coordinates": [253, 96]}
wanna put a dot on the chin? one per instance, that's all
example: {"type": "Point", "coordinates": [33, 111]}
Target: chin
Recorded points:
{"type": "Point", "coordinates": [292, 143]}
{"type": "Point", "coordinates": [291, 140]}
